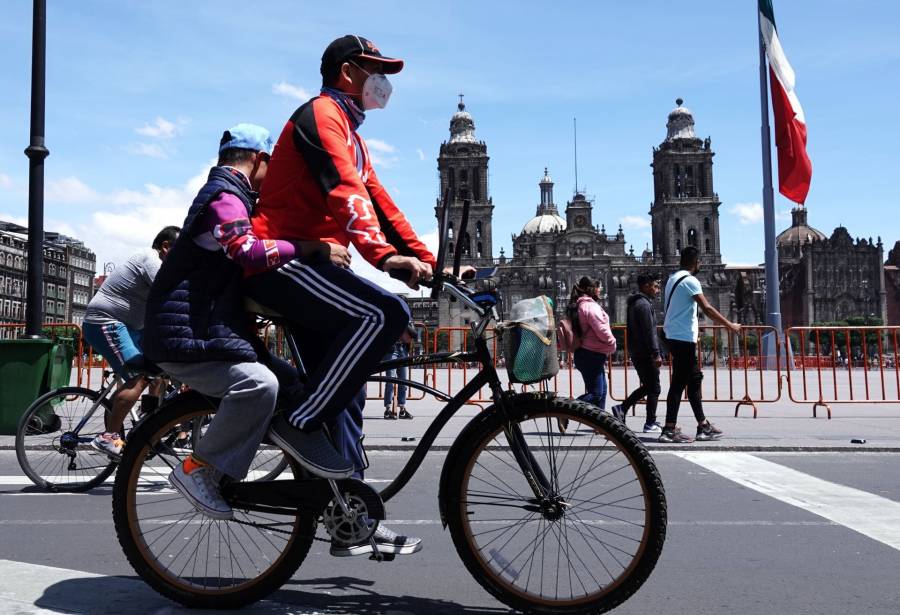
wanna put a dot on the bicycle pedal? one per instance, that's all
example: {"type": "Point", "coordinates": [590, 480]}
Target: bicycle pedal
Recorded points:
{"type": "Point", "coordinates": [383, 557]}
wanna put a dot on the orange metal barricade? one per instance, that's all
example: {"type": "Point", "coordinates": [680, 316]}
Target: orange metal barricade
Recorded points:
{"type": "Point", "coordinates": [834, 365]}
{"type": "Point", "coordinates": [733, 365]}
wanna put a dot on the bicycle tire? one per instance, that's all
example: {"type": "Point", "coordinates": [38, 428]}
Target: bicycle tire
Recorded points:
{"type": "Point", "coordinates": [462, 510]}
{"type": "Point", "coordinates": [39, 456]}
{"type": "Point", "coordinates": [142, 449]}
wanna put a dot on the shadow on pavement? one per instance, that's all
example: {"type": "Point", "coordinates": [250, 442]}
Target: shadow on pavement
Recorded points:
{"type": "Point", "coordinates": [326, 596]}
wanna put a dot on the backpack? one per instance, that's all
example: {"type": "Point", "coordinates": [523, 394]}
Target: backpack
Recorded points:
{"type": "Point", "coordinates": [566, 338]}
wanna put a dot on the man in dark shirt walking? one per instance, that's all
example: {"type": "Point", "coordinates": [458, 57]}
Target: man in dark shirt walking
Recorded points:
{"type": "Point", "coordinates": [643, 346]}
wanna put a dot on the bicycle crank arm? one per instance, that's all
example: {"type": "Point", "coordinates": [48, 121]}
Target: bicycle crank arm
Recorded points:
{"type": "Point", "coordinates": [311, 494]}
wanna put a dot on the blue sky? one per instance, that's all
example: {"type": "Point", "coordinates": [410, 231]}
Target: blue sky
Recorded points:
{"type": "Point", "coordinates": [139, 93]}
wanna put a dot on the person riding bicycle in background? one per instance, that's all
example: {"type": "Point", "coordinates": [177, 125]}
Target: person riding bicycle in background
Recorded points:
{"type": "Point", "coordinates": [321, 186]}
{"type": "Point", "coordinates": [196, 326]}
{"type": "Point", "coordinates": [113, 326]}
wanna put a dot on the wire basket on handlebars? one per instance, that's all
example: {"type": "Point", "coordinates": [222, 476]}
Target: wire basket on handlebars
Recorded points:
{"type": "Point", "coordinates": [528, 341]}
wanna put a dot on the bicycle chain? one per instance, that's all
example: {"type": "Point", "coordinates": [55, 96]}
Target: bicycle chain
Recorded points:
{"type": "Point", "coordinates": [274, 529]}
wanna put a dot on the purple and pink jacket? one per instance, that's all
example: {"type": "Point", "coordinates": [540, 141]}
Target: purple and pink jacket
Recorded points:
{"type": "Point", "coordinates": [597, 336]}
{"type": "Point", "coordinates": [227, 223]}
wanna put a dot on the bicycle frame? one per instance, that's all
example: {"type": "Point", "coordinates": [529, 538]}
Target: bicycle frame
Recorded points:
{"type": "Point", "coordinates": [104, 393]}
{"type": "Point", "coordinates": [487, 375]}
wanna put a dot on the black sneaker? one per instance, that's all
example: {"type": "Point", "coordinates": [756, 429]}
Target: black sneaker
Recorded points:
{"type": "Point", "coordinates": [674, 435]}
{"type": "Point", "coordinates": [389, 416]}
{"type": "Point", "coordinates": [404, 413]}
{"type": "Point", "coordinates": [708, 431]}
{"type": "Point", "coordinates": [312, 450]}
{"type": "Point", "coordinates": [388, 541]}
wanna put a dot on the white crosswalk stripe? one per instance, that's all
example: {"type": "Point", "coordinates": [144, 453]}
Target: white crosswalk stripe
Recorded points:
{"type": "Point", "coordinates": [869, 514]}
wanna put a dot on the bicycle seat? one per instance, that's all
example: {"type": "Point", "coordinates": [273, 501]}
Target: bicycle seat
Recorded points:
{"type": "Point", "coordinates": [257, 308]}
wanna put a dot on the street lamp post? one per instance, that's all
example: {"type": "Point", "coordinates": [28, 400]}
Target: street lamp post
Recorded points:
{"type": "Point", "coordinates": [36, 152]}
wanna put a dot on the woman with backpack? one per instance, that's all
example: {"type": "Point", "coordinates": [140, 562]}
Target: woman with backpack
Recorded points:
{"type": "Point", "coordinates": [590, 325]}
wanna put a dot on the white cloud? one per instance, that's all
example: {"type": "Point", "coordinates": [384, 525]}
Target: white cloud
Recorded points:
{"type": "Point", "coordinates": [381, 153]}
{"type": "Point", "coordinates": [21, 220]}
{"type": "Point", "coordinates": [160, 129]}
{"type": "Point", "coordinates": [71, 190]}
{"type": "Point", "coordinates": [380, 146]}
{"type": "Point", "coordinates": [5, 181]}
{"type": "Point", "coordinates": [749, 213]}
{"type": "Point", "coordinates": [421, 154]}
{"type": "Point", "coordinates": [151, 150]}
{"type": "Point", "coordinates": [634, 222]}
{"type": "Point", "coordinates": [284, 88]}
{"type": "Point", "coordinates": [783, 215]}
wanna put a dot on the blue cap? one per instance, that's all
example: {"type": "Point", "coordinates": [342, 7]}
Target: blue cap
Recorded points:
{"type": "Point", "coordinates": [247, 136]}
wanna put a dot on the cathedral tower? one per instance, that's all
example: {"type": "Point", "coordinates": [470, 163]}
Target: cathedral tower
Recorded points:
{"type": "Point", "coordinates": [463, 168]}
{"type": "Point", "coordinates": [685, 208]}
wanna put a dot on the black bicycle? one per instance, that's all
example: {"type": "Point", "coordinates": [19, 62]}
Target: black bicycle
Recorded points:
{"type": "Point", "coordinates": [547, 521]}
{"type": "Point", "coordinates": [54, 434]}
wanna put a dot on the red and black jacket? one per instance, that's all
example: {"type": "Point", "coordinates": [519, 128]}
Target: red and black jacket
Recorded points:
{"type": "Point", "coordinates": [320, 185]}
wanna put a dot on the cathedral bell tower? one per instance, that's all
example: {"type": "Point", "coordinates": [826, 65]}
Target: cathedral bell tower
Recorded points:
{"type": "Point", "coordinates": [685, 209]}
{"type": "Point", "coordinates": [463, 169]}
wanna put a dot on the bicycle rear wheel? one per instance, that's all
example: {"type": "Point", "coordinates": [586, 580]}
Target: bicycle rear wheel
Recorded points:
{"type": "Point", "coordinates": [190, 558]}
{"type": "Point", "coordinates": [49, 450]}
{"type": "Point", "coordinates": [590, 542]}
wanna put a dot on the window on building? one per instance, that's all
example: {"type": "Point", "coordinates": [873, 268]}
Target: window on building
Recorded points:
{"type": "Point", "coordinates": [9, 260]}
{"type": "Point", "coordinates": [49, 307]}
{"type": "Point", "coordinates": [678, 224]}
{"type": "Point", "coordinates": [478, 230]}
{"type": "Point", "coordinates": [678, 246]}
{"type": "Point", "coordinates": [450, 231]}
{"type": "Point", "coordinates": [479, 254]}
{"type": "Point", "coordinates": [60, 307]}
{"type": "Point", "coordinates": [451, 252]}
{"type": "Point", "coordinates": [692, 237]}
{"type": "Point", "coordinates": [463, 176]}
{"type": "Point", "coordinates": [705, 225]}
{"type": "Point", "coordinates": [707, 245]}
{"type": "Point", "coordinates": [476, 184]}
{"type": "Point", "coordinates": [701, 180]}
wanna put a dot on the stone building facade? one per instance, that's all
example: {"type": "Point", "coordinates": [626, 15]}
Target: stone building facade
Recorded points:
{"type": "Point", "coordinates": [822, 278]}
{"type": "Point", "coordinates": [68, 277]}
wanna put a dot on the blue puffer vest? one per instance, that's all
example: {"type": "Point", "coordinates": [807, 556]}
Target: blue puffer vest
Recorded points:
{"type": "Point", "coordinates": [195, 307]}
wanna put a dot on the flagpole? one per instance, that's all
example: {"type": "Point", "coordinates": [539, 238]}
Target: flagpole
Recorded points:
{"type": "Point", "coordinates": [773, 298]}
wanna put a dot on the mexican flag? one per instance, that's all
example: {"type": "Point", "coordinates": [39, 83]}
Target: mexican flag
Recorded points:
{"type": "Point", "coordinates": [794, 167]}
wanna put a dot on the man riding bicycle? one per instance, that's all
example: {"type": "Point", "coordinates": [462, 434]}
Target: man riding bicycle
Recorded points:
{"type": "Point", "coordinates": [321, 186]}
{"type": "Point", "coordinates": [113, 326]}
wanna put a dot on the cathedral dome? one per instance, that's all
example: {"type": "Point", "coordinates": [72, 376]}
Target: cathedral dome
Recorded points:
{"type": "Point", "coordinates": [462, 126]}
{"type": "Point", "coordinates": [799, 231]}
{"type": "Point", "coordinates": [681, 123]}
{"type": "Point", "coordinates": [546, 223]}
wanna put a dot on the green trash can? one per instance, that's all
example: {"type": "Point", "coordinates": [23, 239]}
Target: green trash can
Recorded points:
{"type": "Point", "coordinates": [59, 372]}
{"type": "Point", "coordinates": [24, 366]}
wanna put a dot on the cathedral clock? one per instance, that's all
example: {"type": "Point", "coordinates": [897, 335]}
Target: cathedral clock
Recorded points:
{"type": "Point", "coordinates": [580, 220]}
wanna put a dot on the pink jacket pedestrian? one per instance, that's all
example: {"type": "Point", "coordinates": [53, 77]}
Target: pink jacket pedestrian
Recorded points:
{"type": "Point", "coordinates": [597, 335]}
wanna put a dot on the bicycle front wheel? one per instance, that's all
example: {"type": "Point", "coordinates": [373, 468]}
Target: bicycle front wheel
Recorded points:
{"type": "Point", "coordinates": [53, 440]}
{"type": "Point", "coordinates": [594, 535]}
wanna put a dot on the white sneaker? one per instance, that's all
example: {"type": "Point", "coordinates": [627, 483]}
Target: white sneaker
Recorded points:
{"type": "Point", "coordinates": [388, 541]}
{"type": "Point", "coordinates": [201, 489]}
{"type": "Point", "coordinates": [652, 428]}
{"type": "Point", "coordinates": [110, 444]}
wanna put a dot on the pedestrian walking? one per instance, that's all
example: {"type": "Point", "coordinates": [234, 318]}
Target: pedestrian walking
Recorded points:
{"type": "Point", "coordinates": [400, 350]}
{"type": "Point", "coordinates": [643, 347]}
{"type": "Point", "coordinates": [591, 325]}
{"type": "Point", "coordinates": [684, 294]}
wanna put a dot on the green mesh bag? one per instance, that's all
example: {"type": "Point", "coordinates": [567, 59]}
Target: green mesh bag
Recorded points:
{"type": "Point", "coordinates": [529, 342]}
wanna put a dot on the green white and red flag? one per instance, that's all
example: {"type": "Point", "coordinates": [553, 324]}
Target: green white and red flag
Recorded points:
{"type": "Point", "coordinates": [794, 166]}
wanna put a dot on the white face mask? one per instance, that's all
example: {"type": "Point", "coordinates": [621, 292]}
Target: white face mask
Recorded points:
{"type": "Point", "coordinates": [376, 91]}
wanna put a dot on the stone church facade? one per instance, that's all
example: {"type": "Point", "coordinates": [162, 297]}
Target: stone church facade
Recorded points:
{"type": "Point", "coordinates": [822, 278]}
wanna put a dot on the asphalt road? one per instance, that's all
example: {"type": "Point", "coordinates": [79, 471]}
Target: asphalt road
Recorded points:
{"type": "Point", "coordinates": [748, 533]}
